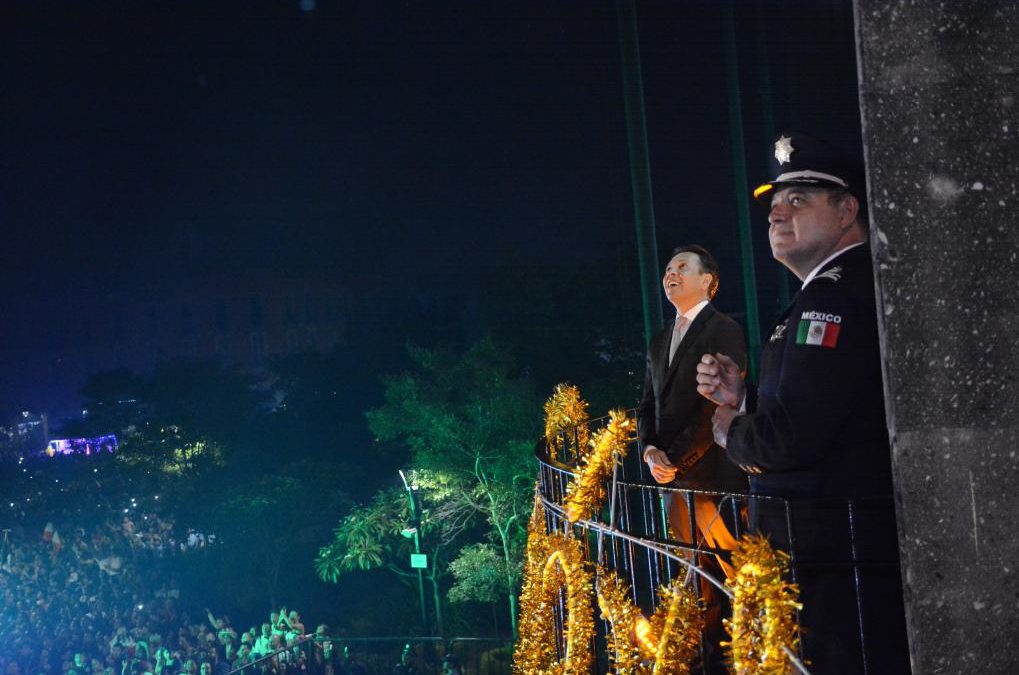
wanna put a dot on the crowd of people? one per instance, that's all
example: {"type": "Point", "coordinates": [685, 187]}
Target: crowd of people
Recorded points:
{"type": "Point", "coordinates": [102, 600]}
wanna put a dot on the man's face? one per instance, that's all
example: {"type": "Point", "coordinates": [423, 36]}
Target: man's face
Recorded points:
{"type": "Point", "coordinates": [806, 227]}
{"type": "Point", "coordinates": [683, 281]}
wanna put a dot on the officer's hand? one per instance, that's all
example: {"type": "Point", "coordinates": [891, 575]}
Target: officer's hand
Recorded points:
{"type": "Point", "coordinates": [661, 468]}
{"type": "Point", "coordinates": [721, 421]}
{"type": "Point", "coordinates": [719, 379]}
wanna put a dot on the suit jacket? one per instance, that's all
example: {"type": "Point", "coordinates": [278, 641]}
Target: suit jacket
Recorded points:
{"type": "Point", "coordinates": [672, 416]}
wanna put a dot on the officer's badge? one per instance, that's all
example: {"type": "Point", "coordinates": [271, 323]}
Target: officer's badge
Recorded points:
{"type": "Point", "coordinates": [835, 273]}
{"type": "Point", "coordinates": [778, 333]}
{"type": "Point", "coordinates": [783, 149]}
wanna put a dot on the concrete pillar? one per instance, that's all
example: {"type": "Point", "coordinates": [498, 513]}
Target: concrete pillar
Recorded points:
{"type": "Point", "coordinates": [939, 83]}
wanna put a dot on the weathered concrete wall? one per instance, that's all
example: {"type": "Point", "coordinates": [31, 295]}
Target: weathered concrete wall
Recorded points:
{"type": "Point", "coordinates": [938, 86]}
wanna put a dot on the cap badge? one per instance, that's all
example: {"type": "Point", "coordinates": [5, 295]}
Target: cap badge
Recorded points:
{"type": "Point", "coordinates": [783, 149]}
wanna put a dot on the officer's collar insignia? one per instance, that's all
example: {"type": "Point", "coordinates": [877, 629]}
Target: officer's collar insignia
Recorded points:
{"type": "Point", "coordinates": [835, 273]}
{"type": "Point", "coordinates": [778, 333]}
{"type": "Point", "coordinates": [783, 149]}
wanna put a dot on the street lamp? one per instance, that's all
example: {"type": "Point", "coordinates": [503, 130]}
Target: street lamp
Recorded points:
{"type": "Point", "coordinates": [415, 531]}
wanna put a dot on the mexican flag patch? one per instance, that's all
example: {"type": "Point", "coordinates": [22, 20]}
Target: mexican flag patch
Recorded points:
{"type": "Point", "coordinates": [817, 328]}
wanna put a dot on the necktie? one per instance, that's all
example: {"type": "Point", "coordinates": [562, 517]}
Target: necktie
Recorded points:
{"type": "Point", "coordinates": [677, 335]}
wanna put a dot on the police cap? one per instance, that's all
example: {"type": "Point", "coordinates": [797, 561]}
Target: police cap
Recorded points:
{"type": "Point", "coordinates": [801, 159]}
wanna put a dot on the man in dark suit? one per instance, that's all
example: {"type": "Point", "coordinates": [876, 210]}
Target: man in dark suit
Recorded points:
{"type": "Point", "coordinates": [673, 420]}
{"type": "Point", "coordinates": [814, 432]}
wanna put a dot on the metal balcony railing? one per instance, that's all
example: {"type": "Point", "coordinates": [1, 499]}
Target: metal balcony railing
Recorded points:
{"type": "Point", "coordinates": [630, 535]}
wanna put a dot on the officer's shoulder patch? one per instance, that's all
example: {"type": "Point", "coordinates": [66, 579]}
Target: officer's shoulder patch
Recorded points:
{"type": "Point", "coordinates": [835, 273]}
{"type": "Point", "coordinates": [819, 328]}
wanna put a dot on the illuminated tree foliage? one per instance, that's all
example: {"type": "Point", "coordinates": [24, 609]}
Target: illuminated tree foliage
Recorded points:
{"type": "Point", "coordinates": [169, 450]}
{"type": "Point", "coordinates": [369, 537]}
{"type": "Point", "coordinates": [480, 574]}
{"type": "Point", "coordinates": [472, 421]}
{"type": "Point", "coordinates": [176, 425]}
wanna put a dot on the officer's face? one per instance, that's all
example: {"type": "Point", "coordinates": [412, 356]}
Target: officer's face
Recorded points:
{"type": "Point", "coordinates": [806, 227]}
{"type": "Point", "coordinates": [683, 282]}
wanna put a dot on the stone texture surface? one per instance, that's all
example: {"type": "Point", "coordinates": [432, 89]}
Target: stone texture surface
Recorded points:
{"type": "Point", "coordinates": [938, 88]}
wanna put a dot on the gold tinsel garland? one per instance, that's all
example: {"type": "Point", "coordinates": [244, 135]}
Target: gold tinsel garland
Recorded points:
{"type": "Point", "coordinates": [563, 411]}
{"type": "Point", "coordinates": [618, 609]}
{"type": "Point", "coordinates": [567, 568]}
{"type": "Point", "coordinates": [763, 609]}
{"type": "Point", "coordinates": [667, 643]}
{"type": "Point", "coordinates": [764, 604]}
{"type": "Point", "coordinates": [587, 492]}
{"type": "Point", "coordinates": [676, 626]}
{"type": "Point", "coordinates": [553, 563]}
{"type": "Point", "coordinates": [534, 649]}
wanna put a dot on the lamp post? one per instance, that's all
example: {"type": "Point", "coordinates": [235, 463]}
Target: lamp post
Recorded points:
{"type": "Point", "coordinates": [415, 530]}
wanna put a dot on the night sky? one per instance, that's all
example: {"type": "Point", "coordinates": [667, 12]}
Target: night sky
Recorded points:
{"type": "Point", "coordinates": [396, 147]}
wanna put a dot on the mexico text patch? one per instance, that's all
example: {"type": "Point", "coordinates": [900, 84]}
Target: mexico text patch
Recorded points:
{"type": "Point", "coordinates": [819, 328]}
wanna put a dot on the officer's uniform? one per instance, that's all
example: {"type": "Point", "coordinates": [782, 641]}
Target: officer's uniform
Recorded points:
{"type": "Point", "coordinates": [816, 429]}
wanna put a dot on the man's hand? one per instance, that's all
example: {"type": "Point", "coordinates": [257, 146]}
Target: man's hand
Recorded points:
{"type": "Point", "coordinates": [720, 423]}
{"type": "Point", "coordinates": [661, 468]}
{"type": "Point", "coordinates": [720, 380]}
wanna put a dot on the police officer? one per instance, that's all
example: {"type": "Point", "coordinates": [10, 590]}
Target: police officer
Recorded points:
{"type": "Point", "coordinates": [814, 433]}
